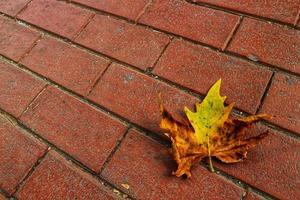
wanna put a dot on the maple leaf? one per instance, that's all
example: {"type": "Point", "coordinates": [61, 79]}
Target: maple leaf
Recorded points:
{"type": "Point", "coordinates": [209, 132]}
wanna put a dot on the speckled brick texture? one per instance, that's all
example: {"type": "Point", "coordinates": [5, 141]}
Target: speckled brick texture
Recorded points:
{"type": "Point", "coordinates": [198, 68]}
{"type": "Point", "coordinates": [16, 40]}
{"type": "Point", "coordinates": [17, 89]}
{"type": "Point", "coordinates": [281, 10]}
{"type": "Point", "coordinates": [69, 64]}
{"type": "Point", "coordinates": [125, 8]}
{"type": "Point", "coordinates": [197, 23]}
{"type": "Point", "coordinates": [268, 43]}
{"type": "Point", "coordinates": [111, 37]}
{"type": "Point", "coordinates": [18, 154]}
{"type": "Point", "coordinates": [85, 133]}
{"type": "Point", "coordinates": [80, 82]}
{"type": "Point", "coordinates": [62, 180]}
{"type": "Point", "coordinates": [12, 7]}
{"type": "Point", "coordinates": [48, 15]}
{"type": "Point", "coordinates": [147, 163]}
{"type": "Point", "coordinates": [283, 102]}
{"type": "Point", "coordinates": [139, 102]}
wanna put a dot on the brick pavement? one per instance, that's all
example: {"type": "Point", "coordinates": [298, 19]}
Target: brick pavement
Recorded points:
{"type": "Point", "coordinates": [78, 95]}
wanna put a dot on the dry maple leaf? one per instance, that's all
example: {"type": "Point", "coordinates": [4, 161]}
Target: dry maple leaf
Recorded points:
{"type": "Point", "coordinates": [209, 132]}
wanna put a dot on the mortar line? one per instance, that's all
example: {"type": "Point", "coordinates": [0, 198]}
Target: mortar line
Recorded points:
{"type": "Point", "coordinates": [97, 79]}
{"type": "Point", "coordinates": [33, 100]}
{"type": "Point", "coordinates": [259, 64]}
{"type": "Point", "coordinates": [160, 55]}
{"type": "Point", "coordinates": [267, 88]}
{"type": "Point", "coordinates": [65, 155]}
{"type": "Point", "coordinates": [30, 172]}
{"type": "Point", "coordinates": [88, 21]}
{"type": "Point", "coordinates": [236, 12]}
{"type": "Point", "coordinates": [114, 150]}
{"type": "Point", "coordinates": [232, 34]}
{"type": "Point", "coordinates": [31, 47]}
{"type": "Point", "coordinates": [143, 11]}
{"type": "Point", "coordinates": [22, 9]}
{"type": "Point", "coordinates": [115, 115]}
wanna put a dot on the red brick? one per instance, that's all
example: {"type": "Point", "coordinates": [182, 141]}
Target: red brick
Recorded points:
{"type": "Point", "coordinates": [48, 14]}
{"type": "Point", "coordinates": [142, 163]}
{"type": "Point", "coordinates": [132, 44]}
{"type": "Point", "coordinates": [125, 8]}
{"type": "Point", "coordinates": [205, 25]}
{"type": "Point", "coordinates": [17, 89]}
{"type": "Point", "coordinates": [269, 43]}
{"type": "Point", "coordinates": [281, 10]}
{"type": "Point", "coordinates": [78, 129]}
{"type": "Point", "coordinates": [18, 154]}
{"type": "Point", "coordinates": [69, 66]}
{"type": "Point", "coordinates": [57, 178]}
{"type": "Point", "coordinates": [253, 196]}
{"type": "Point", "coordinates": [15, 40]}
{"type": "Point", "coordinates": [12, 7]}
{"type": "Point", "coordinates": [283, 102]}
{"type": "Point", "coordinates": [139, 96]}
{"type": "Point", "coordinates": [198, 68]}
{"type": "Point", "coordinates": [272, 166]}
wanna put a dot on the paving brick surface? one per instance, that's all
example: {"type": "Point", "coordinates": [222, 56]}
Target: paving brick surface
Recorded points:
{"type": "Point", "coordinates": [142, 163]}
{"type": "Point", "coordinates": [15, 40]}
{"type": "Point", "coordinates": [12, 7]}
{"type": "Point", "coordinates": [198, 68]}
{"type": "Point", "coordinates": [111, 37]}
{"type": "Point", "coordinates": [253, 196]}
{"type": "Point", "coordinates": [56, 16]}
{"type": "Point", "coordinates": [125, 8]}
{"type": "Point", "coordinates": [105, 63]}
{"type": "Point", "coordinates": [61, 180]}
{"type": "Point", "coordinates": [64, 64]}
{"type": "Point", "coordinates": [283, 102]}
{"type": "Point", "coordinates": [281, 10]}
{"type": "Point", "coordinates": [198, 23]}
{"type": "Point", "coordinates": [269, 43]}
{"type": "Point", "coordinates": [139, 96]}
{"type": "Point", "coordinates": [18, 154]}
{"type": "Point", "coordinates": [17, 89]}
{"type": "Point", "coordinates": [85, 133]}
{"type": "Point", "coordinates": [270, 165]}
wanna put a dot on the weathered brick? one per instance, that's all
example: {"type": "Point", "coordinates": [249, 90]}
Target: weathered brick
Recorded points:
{"type": "Point", "coordinates": [272, 166]}
{"type": "Point", "coordinates": [17, 89]}
{"type": "Point", "coordinates": [283, 102]}
{"type": "Point", "coordinates": [125, 8]}
{"type": "Point", "coordinates": [48, 14]}
{"type": "Point", "coordinates": [281, 10]}
{"type": "Point", "coordinates": [71, 67]}
{"type": "Point", "coordinates": [57, 178]}
{"type": "Point", "coordinates": [135, 96]}
{"type": "Point", "coordinates": [142, 163]}
{"type": "Point", "coordinates": [78, 129]}
{"type": "Point", "coordinates": [205, 25]}
{"type": "Point", "coordinates": [12, 7]}
{"type": "Point", "coordinates": [253, 196]}
{"type": "Point", "coordinates": [15, 40]}
{"type": "Point", "coordinates": [198, 68]}
{"type": "Point", "coordinates": [18, 154]}
{"type": "Point", "coordinates": [269, 43]}
{"type": "Point", "coordinates": [132, 44]}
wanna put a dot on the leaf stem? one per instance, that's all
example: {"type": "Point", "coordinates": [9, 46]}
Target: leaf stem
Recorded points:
{"type": "Point", "coordinates": [211, 167]}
